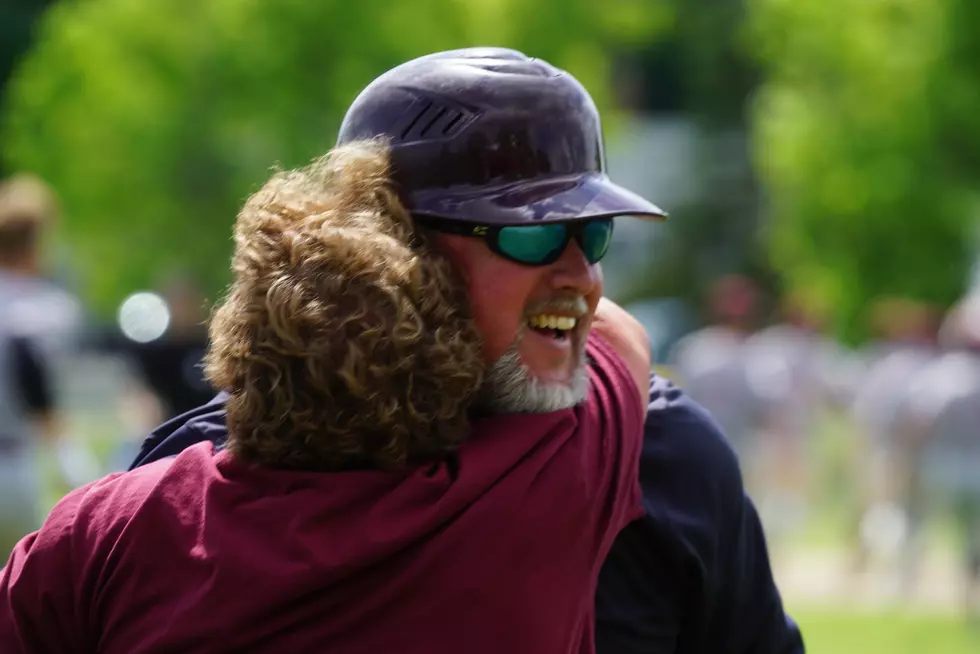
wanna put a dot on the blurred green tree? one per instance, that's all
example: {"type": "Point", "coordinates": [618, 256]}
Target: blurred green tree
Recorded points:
{"type": "Point", "coordinates": [17, 20]}
{"type": "Point", "coordinates": [867, 137]}
{"type": "Point", "coordinates": [701, 72]}
{"type": "Point", "coordinates": [154, 120]}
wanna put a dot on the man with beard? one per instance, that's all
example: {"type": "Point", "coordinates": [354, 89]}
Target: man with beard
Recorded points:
{"type": "Point", "coordinates": [434, 420]}
{"type": "Point", "coordinates": [689, 575]}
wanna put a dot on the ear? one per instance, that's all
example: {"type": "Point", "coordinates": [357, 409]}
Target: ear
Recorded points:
{"type": "Point", "coordinates": [629, 339]}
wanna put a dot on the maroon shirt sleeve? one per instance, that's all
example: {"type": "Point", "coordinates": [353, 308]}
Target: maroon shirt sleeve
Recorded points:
{"type": "Point", "coordinates": [38, 608]}
{"type": "Point", "coordinates": [616, 412]}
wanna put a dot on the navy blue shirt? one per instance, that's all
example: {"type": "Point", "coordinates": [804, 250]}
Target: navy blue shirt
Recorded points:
{"type": "Point", "coordinates": [690, 577]}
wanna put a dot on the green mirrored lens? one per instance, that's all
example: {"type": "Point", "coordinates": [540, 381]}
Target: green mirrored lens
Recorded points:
{"type": "Point", "coordinates": [532, 243]}
{"type": "Point", "coordinates": [596, 237]}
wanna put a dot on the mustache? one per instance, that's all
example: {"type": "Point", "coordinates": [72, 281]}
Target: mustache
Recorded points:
{"type": "Point", "coordinates": [574, 304]}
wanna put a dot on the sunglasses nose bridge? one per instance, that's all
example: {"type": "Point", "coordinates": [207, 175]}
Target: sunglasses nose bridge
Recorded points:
{"type": "Point", "coordinates": [578, 233]}
{"type": "Point", "coordinates": [576, 237]}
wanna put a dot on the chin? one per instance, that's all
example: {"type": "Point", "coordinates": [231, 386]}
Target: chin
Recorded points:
{"type": "Point", "coordinates": [543, 397]}
{"type": "Point", "coordinates": [511, 388]}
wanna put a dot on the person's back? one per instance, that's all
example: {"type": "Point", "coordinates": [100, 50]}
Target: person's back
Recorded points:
{"type": "Point", "coordinates": [490, 550]}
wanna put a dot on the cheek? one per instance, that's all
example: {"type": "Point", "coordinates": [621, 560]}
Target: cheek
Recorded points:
{"type": "Point", "coordinates": [498, 307]}
{"type": "Point", "coordinates": [597, 287]}
{"type": "Point", "coordinates": [498, 291]}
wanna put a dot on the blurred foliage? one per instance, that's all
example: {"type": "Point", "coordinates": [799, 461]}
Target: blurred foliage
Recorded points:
{"type": "Point", "coordinates": [867, 135]}
{"type": "Point", "coordinates": [155, 120]}
{"type": "Point", "coordinates": [702, 72]}
{"type": "Point", "coordinates": [17, 20]}
{"type": "Point", "coordinates": [719, 74]}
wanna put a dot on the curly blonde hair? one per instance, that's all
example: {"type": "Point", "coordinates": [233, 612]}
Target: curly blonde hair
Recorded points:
{"type": "Point", "coordinates": [345, 341]}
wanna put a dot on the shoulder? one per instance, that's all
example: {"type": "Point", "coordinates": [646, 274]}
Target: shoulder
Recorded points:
{"type": "Point", "coordinates": [207, 423]}
{"type": "Point", "coordinates": [83, 519]}
{"type": "Point", "coordinates": [57, 570]}
{"type": "Point", "coordinates": [693, 494]}
{"type": "Point", "coordinates": [96, 514]}
{"type": "Point", "coordinates": [693, 501]}
{"type": "Point", "coordinates": [688, 470]}
{"type": "Point", "coordinates": [687, 461]}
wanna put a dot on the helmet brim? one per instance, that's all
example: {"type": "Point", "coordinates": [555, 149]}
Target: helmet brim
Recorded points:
{"type": "Point", "coordinates": [557, 199]}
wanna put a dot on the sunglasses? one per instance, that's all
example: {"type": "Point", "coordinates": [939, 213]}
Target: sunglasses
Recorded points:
{"type": "Point", "coordinates": [534, 245]}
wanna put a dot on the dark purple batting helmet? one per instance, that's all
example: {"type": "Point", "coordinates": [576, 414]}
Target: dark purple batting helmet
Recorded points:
{"type": "Point", "coordinates": [492, 136]}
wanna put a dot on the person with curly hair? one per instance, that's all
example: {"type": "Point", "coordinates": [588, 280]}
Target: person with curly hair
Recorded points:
{"type": "Point", "coordinates": [434, 418]}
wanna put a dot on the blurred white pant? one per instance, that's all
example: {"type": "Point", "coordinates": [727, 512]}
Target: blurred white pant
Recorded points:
{"type": "Point", "coordinates": [19, 499]}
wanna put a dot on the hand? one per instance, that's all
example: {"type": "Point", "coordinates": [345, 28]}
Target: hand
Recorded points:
{"type": "Point", "coordinates": [630, 341]}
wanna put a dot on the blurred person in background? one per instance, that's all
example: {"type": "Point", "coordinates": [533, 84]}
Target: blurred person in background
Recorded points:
{"type": "Point", "coordinates": [29, 301]}
{"type": "Point", "coordinates": [942, 412]}
{"type": "Point", "coordinates": [40, 325]}
{"type": "Point", "coordinates": [711, 367]}
{"type": "Point", "coordinates": [27, 411]}
{"type": "Point", "coordinates": [889, 516]}
{"type": "Point", "coordinates": [798, 374]}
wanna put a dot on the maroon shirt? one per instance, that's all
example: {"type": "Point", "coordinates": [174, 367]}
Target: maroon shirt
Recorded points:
{"type": "Point", "coordinates": [204, 553]}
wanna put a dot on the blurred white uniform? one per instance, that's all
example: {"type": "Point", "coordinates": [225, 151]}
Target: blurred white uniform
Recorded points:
{"type": "Point", "coordinates": [711, 367]}
{"type": "Point", "coordinates": [893, 513]}
{"type": "Point", "coordinates": [50, 319]}
{"type": "Point", "coordinates": [945, 400]}
{"type": "Point", "coordinates": [944, 405]}
{"type": "Point", "coordinates": [878, 406]}
{"type": "Point", "coordinates": [795, 374]}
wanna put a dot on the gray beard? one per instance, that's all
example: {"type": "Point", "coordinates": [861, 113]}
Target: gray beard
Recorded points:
{"type": "Point", "coordinates": [509, 387]}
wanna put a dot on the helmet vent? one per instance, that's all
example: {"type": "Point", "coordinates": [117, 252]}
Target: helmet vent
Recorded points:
{"type": "Point", "coordinates": [418, 117]}
{"type": "Point", "coordinates": [439, 114]}
{"type": "Point", "coordinates": [432, 116]}
{"type": "Point", "coordinates": [450, 126]}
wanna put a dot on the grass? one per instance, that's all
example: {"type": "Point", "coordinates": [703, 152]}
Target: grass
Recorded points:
{"type": "Point", "coordinates": [857, 632]}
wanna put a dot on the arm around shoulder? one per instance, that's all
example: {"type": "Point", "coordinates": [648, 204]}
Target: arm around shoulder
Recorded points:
{"type": "Point", "coordinates": [627, 337]}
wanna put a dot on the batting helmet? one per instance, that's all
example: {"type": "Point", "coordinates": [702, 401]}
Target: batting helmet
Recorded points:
{"type": "Point", "coordinates": [490, 135]}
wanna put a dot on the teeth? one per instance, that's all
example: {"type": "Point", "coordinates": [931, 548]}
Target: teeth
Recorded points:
{"type": "Point", "coordinates": [544, 321]}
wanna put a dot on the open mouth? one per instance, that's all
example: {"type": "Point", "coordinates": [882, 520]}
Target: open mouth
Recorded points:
{"type": "Point", "coordinates": [556, 327]}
